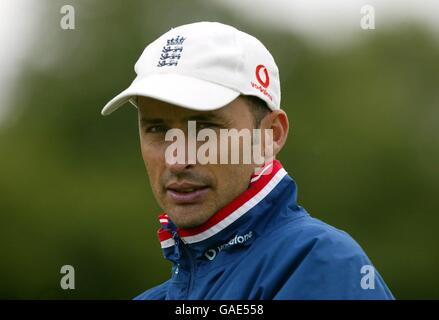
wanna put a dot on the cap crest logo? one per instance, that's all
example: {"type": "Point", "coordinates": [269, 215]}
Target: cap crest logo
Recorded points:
{"type": "Point", "coordinates": [171, 52]}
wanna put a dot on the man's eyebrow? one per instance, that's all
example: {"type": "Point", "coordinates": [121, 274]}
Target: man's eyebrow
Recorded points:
{"type": "Point", "coordinates": [151, 120]}
{"type": "Point", "coordinates": [207, 116]}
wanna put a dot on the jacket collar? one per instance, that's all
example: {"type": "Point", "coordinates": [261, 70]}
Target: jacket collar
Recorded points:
{"type": "Point", "coordinates": [240, 214]}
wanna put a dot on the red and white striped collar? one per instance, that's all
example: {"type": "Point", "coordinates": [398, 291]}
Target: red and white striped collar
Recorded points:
{"type": "Point", "coordinates": [260, 186]}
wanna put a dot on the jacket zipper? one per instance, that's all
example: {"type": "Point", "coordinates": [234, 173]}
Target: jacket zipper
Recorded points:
{"type": "Point", "coordinates": [192, 267]}
{"type": "Point", "coordinates": [179, 243]}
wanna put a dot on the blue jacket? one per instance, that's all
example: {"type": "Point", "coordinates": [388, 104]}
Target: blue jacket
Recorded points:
{"type": "Point", "coordinates": [263, 245]}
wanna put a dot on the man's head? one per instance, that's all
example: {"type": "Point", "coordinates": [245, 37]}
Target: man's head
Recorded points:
{"type": "Point", "coordinates": [191, 193]}
{"type": "Point", "coordinates": [224, 79]}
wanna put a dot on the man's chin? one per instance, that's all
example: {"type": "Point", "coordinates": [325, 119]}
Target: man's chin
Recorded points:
{"type": "Point", "coordinates": [189, 216]}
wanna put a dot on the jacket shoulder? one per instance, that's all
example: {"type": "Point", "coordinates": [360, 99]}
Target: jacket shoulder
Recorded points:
{"type": "Point", "coordinates": [310, 234]}
{"type": "Point", "coordinates": [318, 261]}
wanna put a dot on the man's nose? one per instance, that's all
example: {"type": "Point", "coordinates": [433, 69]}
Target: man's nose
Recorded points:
{"type": "Point", "coordinates": [183, 157]}
{"type": "Point", "coordinates": [177, 168]}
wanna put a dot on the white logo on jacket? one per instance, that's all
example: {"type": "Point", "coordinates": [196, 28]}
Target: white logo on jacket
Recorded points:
{"type": "Point", "coordinates": [211, 253]}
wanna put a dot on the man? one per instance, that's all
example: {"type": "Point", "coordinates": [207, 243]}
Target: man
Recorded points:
{"type": "Point", "coordinates": [232, 230]}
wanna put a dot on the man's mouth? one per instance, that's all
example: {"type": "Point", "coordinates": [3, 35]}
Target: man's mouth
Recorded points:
{"type": "Point", "coordinates": [185, 193]}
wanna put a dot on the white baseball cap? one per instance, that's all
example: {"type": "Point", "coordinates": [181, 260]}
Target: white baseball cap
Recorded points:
{"type": "Point", "coordinates": [203, 66]}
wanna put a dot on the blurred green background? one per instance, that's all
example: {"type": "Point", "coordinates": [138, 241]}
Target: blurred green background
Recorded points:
{"type": "Point", "coordinates": [364, 150]}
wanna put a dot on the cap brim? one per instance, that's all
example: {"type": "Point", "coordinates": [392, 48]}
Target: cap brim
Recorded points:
{"type": "Point", "coordinates": [183, 91]}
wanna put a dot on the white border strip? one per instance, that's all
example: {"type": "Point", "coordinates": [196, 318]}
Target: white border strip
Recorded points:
{"type": "Point", "coordinates": [238, 212]}
{"type": "Point", "coordinates": [167, 243]}
{"type": "Point", "coordinates": [262, 172]}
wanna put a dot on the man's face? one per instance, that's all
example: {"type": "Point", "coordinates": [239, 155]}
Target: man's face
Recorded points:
{"type": "Point", "coordinates": [191, 193]}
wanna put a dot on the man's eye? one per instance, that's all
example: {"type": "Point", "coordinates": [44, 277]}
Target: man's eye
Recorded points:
{"type": "Point", "coordinates": [156, 129]}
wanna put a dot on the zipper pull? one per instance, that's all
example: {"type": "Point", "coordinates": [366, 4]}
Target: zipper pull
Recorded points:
{"type": "Point", "coordinates": [177, 249]}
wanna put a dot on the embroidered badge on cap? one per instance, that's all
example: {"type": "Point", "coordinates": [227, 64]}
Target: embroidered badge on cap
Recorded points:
{"type": "Point", "coordinates": [171, 52]}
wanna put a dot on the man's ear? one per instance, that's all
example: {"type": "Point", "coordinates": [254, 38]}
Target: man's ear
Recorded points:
{"type": "Point", "coordinates": [277, 121]}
